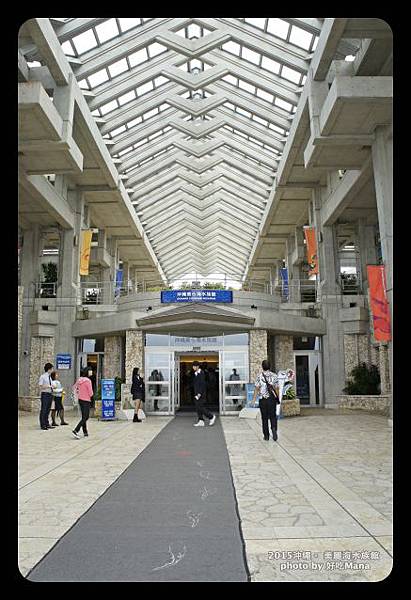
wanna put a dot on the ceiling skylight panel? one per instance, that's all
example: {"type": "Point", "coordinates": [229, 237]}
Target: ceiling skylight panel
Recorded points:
{"type": "Point", "coordinates": [241, 111]}
{"type": "Point", "coordinates": [146, 87]}
{"type": "Point", "coordinates": [107, 30]}
{"type": "Point", "coordinates": [118, 67]}
{"type": "Point", "coordinates": [68, 49]}
{"type": "Point", "coordinates": [106, 108]}
{"type": "Point", "coordinates": [134, 122]}
{"type": "Point", "coordinates": [156, 49]}
{"type": "Point", "coordinates": [83, 84]}
{"type": "Point", "coordinates": [232, 47]}
{"type": "Point", "coordinates": [278, 27]}
{"type": "Point", "coordinates": [260, 23]}
{"type": "Point", "coordinates": [246, 86]}
{"type": "Point", "coordinates": [138, 57]}
{"type": "Point", "coordinates": [118, 130]}
{"type": "Point", "coordinates": [150, 113]}
{"type": "Point", "coordinates": [283, 104]}
{"type": "Point", "coordinates": [193, 30]}
{"type": "Point", "coordinates": [265, 96]}
{"type": "Point", "coordinates": [251, 56]}
{"type": "Point", "coordinates": [127, 24]}
{"type": "Point", "coordinates": [85, 41]}
{"type": "Point", "coordinates": [98, 78]}
{"type": "Point", "coordinates": [260, 120]}
{"type": "Point", "coordinates": [230, 79]}
{"type": "Point", "coordinates": [315, 43]}
{"type": "Point", "coordinates": [160, 81]}
{"type": "Point", "coordinates": [270, 65]}
{"type": "Point", "coordinates": [290, 74]}
{"type": "Point", "coordinates": [126, 98]}
{"type": "Point", "coordinates": [300, 38]}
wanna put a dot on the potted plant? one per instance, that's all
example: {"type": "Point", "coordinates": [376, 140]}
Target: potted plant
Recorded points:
{"type": "Point", "coordinates": [49, 280]}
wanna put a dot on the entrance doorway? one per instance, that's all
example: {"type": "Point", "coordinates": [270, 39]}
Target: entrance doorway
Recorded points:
{"type": "Point", "coordinates": [308, 377]}
{"type": "Point", "coordinates": [93, 361]}
{"type": "Point", "coordinates": [184, 396]}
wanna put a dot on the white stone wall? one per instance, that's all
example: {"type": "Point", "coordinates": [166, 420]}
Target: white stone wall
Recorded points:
{"type": "Point", "coordinates": [41, 352]}
{"type": "Point", "coordinates": [112, 357]}
{"type": "Point", "coordinates": [378, 404]}
{"type": "Point", "coordinates": [284, 353]}
{"type": "Point", "coordinates": [134, 352]}
{"type": "Point", "coordinates": [384, 369]}
{"type": "Point", "coordinates": [258, 351]}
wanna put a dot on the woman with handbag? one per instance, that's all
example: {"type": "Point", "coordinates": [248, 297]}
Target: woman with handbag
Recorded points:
{"type": "Point", "coordinates": [58, 400]}
{"type": "Point", "coordinates": [266, 387]}
{"type": "Point", "coordinates": [138, 393]}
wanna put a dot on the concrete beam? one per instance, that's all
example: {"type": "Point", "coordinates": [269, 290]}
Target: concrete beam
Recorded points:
{"type": "Point", "coordinates": [325, 52]}
{"type": "Point", "coordinates": [47, 197]}
{"type": "Point", "coordinates": [50, 49]}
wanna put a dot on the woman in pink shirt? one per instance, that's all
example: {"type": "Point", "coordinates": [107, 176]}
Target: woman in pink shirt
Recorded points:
{"type": "Point", "coordinates": [84, 391]}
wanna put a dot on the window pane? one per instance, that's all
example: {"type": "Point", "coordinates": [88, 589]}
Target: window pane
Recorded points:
{"type": "Point", "coordinates": [265, 95]}
{"type": "Point", "coordinates": [150, 113]}
{"type": "Point", "coordinates": [230, 79]}
{"type": "Point", "coordinates": [97, 78]}
{"type": "Point", "coordinates": [85, 41]}
{"type": "Point", "coordinates": [127, 24]}
{"type": "Point", "coordinates": [283, 104]}
{"type": "Point", "coordinates": [156, 49]}
{"type": "Point", "coordinates": [118, 130]}
{"type": "Point", "coordinates": [126, 97]}
{"type": "Point", "coordinates": [246, 86]}
{"type": "Point", "coordinates": [134, 122]}
{"type": "Point", "coordinates": [160, 80]}
{"type": "Point", "coordinates": [108, 107]}
{"type": "Point", "coordinates": [301, 38]}
{"type": "Point", "coordinates": [278, 27]}
{"type": "Point", "coordinates": [270, 65]}
{"type": "Point", "coordinates": [251, 56]}
{"type": "Point", "coordinates": [118, 67]}
{"type": "Point", "coordinates": [107, 30]}
{"type": "Point", "coordinates": [143, 89]}
{"type": "Point", "coordinates": [67, 49]}
{"type": "Point", "coordinates": [256, 22]}
{"type": "Point", "coordinates": [138, 57]}
{"type": "Point", "coordinates": [232, 47]}
{"type": "Point", "coordinates": [291, 74]}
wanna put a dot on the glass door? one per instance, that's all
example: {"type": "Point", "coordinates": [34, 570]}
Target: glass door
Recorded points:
{"type": "Point", "coordinates": [175, 370]}
{"type": "Point", "coordinates": [308, 377]}
{"type": "Point", "coordinates": [158, 382]}
{"type": "Point", "coordinates": [234, 375]}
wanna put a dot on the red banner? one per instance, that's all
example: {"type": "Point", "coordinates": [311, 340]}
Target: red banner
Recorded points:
{"type": "Point", "coordinates": [312, 257]}
{"type": "Point", "coordinates": [379, 303]}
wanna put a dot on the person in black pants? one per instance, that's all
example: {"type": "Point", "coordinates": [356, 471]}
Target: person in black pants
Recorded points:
{"type": "Point", "coordinates": [138, 393]}
{"type": "Point", "coordinates": [46, 397]}
{"type": "Point", "coordinates": [266, 386]}
{"type": "Point", "coordinates": [200, 396]}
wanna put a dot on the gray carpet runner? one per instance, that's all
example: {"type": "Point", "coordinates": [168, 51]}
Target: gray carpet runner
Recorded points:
{"type": "Point", "coordinates": [171, 516]}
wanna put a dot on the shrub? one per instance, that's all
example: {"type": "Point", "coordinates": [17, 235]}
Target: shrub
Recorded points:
{"type": "Point", "coordinates": [365, 380]}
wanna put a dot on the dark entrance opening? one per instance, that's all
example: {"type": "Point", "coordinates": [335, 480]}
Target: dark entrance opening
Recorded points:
{"type": "Point", "coordinates": [210, 366]}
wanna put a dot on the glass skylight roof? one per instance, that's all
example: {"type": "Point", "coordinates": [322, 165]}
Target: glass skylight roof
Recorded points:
{"type": "Point", "coordinates": [127, 72]}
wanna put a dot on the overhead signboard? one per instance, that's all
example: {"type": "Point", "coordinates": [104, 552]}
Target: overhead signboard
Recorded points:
{"type": "Point", "coordinates": [171, 296]}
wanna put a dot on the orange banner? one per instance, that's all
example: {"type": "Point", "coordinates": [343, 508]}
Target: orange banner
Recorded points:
{"type": "Point", "coordinates": [312, 257]}
{"type": "Point", "coordinates": [379, 303]}
{"type": "Point", "coordinates": [85, 251]}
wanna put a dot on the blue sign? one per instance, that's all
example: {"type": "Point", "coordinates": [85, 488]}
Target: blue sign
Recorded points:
{"type": "Point", "coordinates": [284, 277]}
{"type": "Point", "coordinates": [108, 395]}
{"type": "Point", "coordinates": [63, 361]}
{"type": "Point", "coordinates": [250, 387]}
{"type": "Point", "coordinates": [196, 296]}
{"type": "Point", "coordinates": [119, 282]}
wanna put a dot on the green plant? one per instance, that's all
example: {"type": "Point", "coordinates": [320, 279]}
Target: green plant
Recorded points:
{"type": "Point", "coordinates": [117, 386]}
{"type": "Point", "coordinates": [49, 272]}
{"type": "Point", "coordinates": [365, 380]}
{"type": "Point", "coordinates": [290, 394]}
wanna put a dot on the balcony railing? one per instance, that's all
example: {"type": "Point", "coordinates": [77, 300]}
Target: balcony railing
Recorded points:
{"type": "Point", "coordinates": [350, 284]}
{"type": "Point", "coordinates": [45, 290]}
{"type": "Point", "coordinates": [300, 290]}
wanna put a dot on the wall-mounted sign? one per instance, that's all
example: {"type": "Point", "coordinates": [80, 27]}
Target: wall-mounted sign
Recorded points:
{"type": "Point", "coordinates": [63, 361]}
{"type": "Point", "coordinates": [171, 296]}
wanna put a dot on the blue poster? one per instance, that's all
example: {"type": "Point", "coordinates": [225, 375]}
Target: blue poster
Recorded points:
{"type": "Point", "coordinates": [196, 296]}
{"type": "Point", "coordinates": [284, 277]}
{"type": "Point", "coordinates": [63, 361]}
{"type": "Point", "coordinates": [119, 282]}
{"type": "Point", "coordinates": [108, 395]}
{"type": "Point", "coordinates": [250, 387]}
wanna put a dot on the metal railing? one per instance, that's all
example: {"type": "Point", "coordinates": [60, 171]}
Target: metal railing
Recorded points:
{"type": "Point", "coordinates": [45, 290]}
{"type": "Point", "coordinates": [350, 285]}
{"type": "Point", "coordinates": [300, 290]}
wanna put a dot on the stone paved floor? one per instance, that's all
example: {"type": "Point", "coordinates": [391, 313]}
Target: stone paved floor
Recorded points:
{"type": "Point", "coordinates": [324, 488]}
{"type": "Point", "coordinates": [61, 477]}
{"type": "Point", "coordinates": [316, 505]}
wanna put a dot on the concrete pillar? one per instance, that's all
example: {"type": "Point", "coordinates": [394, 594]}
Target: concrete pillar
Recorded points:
{"type": "Point", "coordinates": [283, 352]}
{"type": "Point", "coordinates": [356, 351]}
{"type": "Point", "coordinates": [368, 251]}
{"type": "Point", "coordinates": [112, 357]}
{"type": "Point", "coordinates": [384, 369]}
{"type": "Point", "coordinates": [30, 260]}
{"type": "Point", "coordinates": [134, 352]}
{"type": "Point", "coordinates": [383, 177]}
{"type": "Point", "coordinates": [41, 352]}
{"type": "Point", "coordinates": [258, 351]}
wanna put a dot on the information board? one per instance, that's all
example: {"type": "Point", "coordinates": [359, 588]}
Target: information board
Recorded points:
{"type": "Point", "coordinates": [63, 361]}
{"type": "Point", "coordinates": [108, 396]}
{"type": "Point", "coordinates": [170, 296]}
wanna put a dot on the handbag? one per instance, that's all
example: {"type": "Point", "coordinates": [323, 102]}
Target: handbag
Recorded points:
{"type": "Point", "coordinates": [271, 391]}
{"type": "Point", "coordinates": [141, 414]}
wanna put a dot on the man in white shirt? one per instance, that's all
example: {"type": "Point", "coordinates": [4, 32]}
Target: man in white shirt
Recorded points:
{"type": "Point", "coordinates": [267, 382]}
{"type": "Point", "coordinates": [46, 396]}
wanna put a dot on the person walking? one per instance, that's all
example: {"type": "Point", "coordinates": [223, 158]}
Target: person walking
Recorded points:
{"type": "Point", "coordinates": [138, 393]}
{"type": "Point", "coordinates": [84, 391]}
{"type": "Point", "coordinates": [266, 387]}
{"type": "Point", "coordinates": [58, 400]}
{"type": "Point", "coordinates": [200, 395]}
{"type": "Point", "coordinates": [46, 397]}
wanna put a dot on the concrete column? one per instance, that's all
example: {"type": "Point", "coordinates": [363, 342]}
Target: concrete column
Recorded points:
{"type": "Point", "coordinates": [258, 351]}
{"type": "Point", "coordinates": [283, 352]}
{"type": "Point", "coordinates": [356, 351]}
{"type": "Point", "coordinates": [112, 357]}
{"type": "Point", "coordinates": [384, 369]}
{"type": "Point", "coordinates": [30, 259]}
{"type": "Point", "coordinates": [383, 177]}
{"type": "Point", "coordinates": [41, 352]}
{"type": "Point", "coordinates": [368, 251]}
{"type": "Point", "coordinates": [134, 352]}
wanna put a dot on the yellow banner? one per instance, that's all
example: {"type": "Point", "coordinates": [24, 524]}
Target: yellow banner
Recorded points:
{"type": "Point", "coordinates": [85, 249]}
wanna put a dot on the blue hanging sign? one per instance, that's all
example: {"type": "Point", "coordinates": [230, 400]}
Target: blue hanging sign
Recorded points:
{"type": "Point", "coordinates": [119, 282]}
{"type": "Point", "coordinates": [171, 296]}
{"type": "Point", "coordinates": [108, 395]}
{"type": "Point", "coordinates": [284, 277]}
{"type": "Point", "coordinates": [63, 361]}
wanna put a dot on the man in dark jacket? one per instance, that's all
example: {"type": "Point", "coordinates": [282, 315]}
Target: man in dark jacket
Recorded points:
{"type": "Point", "coordinates": [200, 395]}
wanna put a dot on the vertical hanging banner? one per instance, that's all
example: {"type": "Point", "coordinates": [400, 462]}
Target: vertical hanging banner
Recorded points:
{"type": "Point", "coordinates": [312, 257]}
{"type": "Point", "coordinates": [119, 282]}
{"type": "Point", "coordinates": [379, 303]}
{"type": "Point", "coordinates": [284, 277]}
{"type": "Point", "coordinates": [85, 249]}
